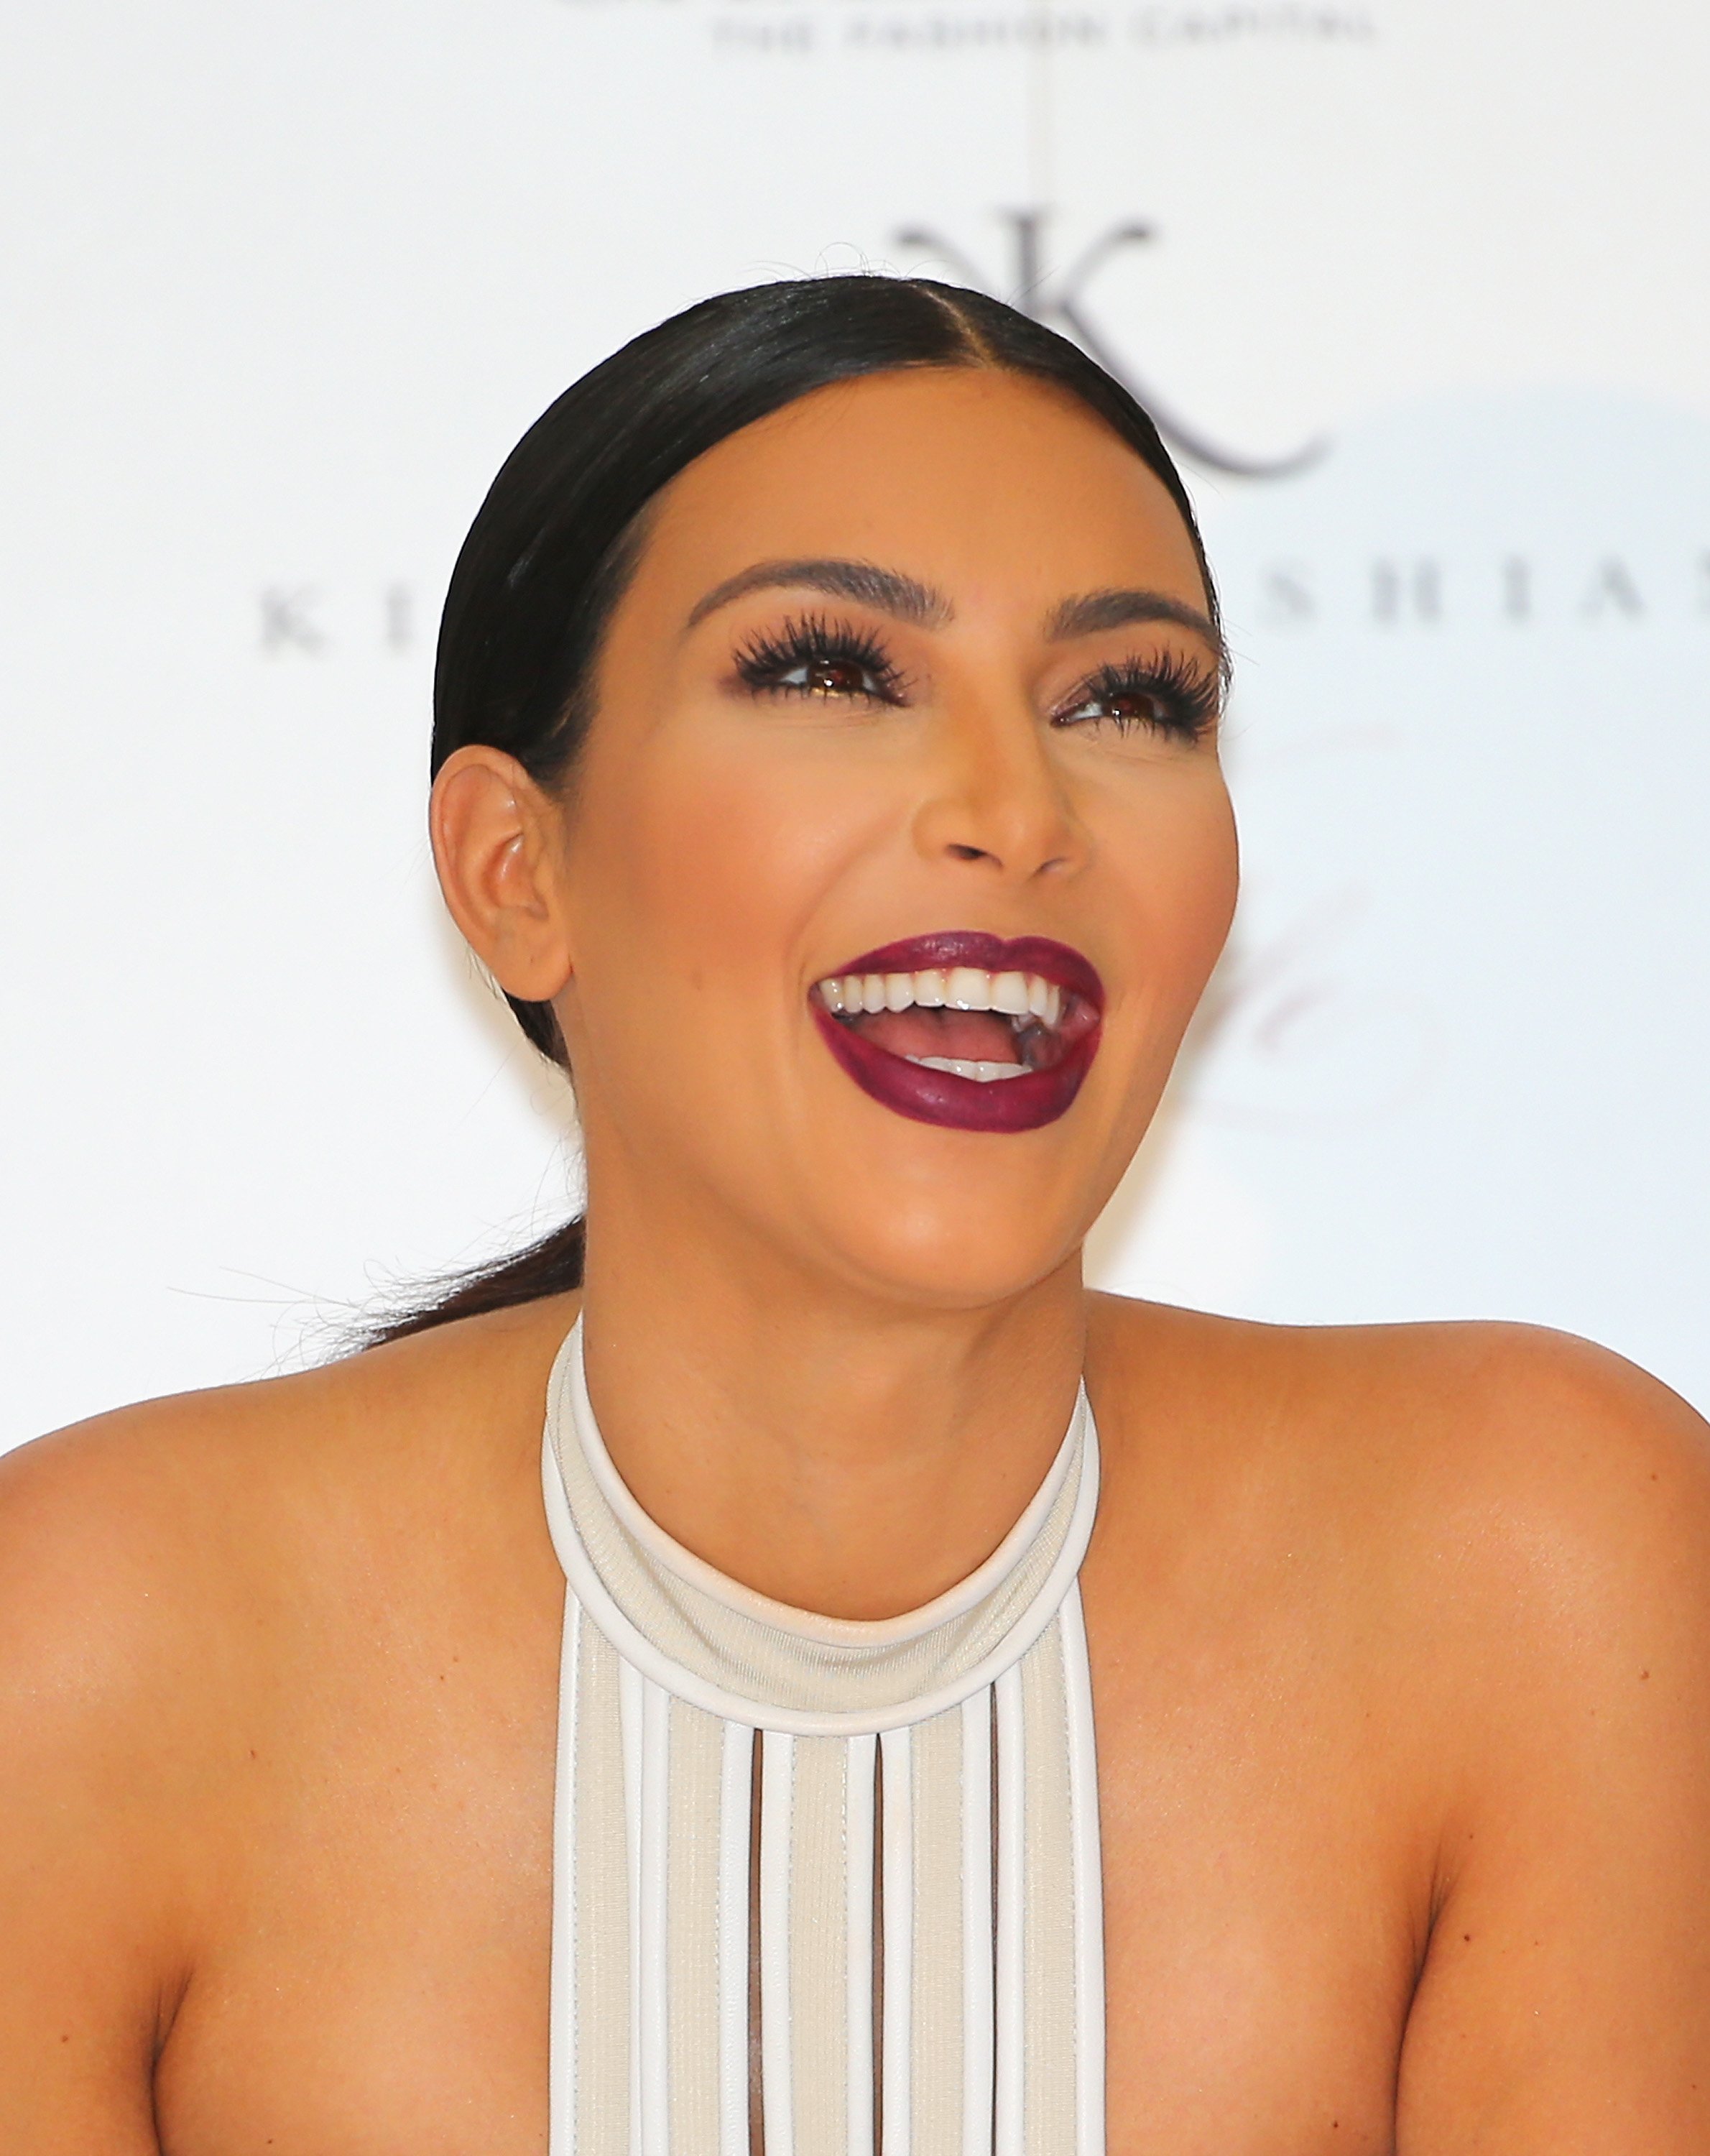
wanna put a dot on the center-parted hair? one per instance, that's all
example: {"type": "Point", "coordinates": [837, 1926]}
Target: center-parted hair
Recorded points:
{"type": "Point", "coordinates": [552, 546]}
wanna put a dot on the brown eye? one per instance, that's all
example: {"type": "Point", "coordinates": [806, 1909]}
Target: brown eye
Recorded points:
{"type": "Point", "coordinates": [1125, 707]}
{"type": "Point", "coordinates": [833, 661]}
{"type": "Point", "coordinates": [1164, 696]}
{"type": "Point", "coordinates": [834, 677]}
{"type": "Point", "coordinates": [1134, 707]}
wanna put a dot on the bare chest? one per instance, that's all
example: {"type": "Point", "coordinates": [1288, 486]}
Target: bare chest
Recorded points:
{"type": "Point", "coordinates": [376, 1970]}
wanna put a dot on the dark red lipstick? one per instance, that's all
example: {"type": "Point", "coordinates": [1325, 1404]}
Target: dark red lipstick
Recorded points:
{"type": "Point", "coordinates": [880, 1047]}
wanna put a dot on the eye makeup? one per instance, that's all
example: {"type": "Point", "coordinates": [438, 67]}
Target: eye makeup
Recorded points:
{"type": "Point", "coordinates": [1169, 692]}
{"type": "Point", "coordinates": [814, 655]}
{"type": "Point", "coordinates": [811, 655]}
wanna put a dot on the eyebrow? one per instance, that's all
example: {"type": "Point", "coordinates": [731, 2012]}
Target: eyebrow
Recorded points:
{"type": "Point", "coordinates": [889, 590]}
{"type": "Point", "coordinates": [905, 598]}
{"type": "Point", "coordinates": [1117, 608]}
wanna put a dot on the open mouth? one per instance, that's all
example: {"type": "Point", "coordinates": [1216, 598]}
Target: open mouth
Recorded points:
{"type": "Point", "coordinates": [966, 1028]}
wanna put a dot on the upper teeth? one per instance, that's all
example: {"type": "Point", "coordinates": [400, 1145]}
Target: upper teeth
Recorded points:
{"type": "Point", "coordinates": [956, 987]}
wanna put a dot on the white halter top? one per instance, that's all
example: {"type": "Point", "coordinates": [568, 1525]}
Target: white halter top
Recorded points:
{"type": "Point", "coordinates": [822, 1887]}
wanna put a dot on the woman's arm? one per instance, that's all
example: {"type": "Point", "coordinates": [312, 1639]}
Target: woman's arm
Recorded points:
{"type": "Point", "coordinates": [1564, 2007]}
{"type": "Point", "coordinates": [98, 1705]}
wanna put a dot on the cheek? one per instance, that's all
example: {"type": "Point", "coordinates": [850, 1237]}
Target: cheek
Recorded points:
{"type": "Point", "coordinates": [704, 857]}
{"type": "Point", "coordinates": [1213, 880]}
{"type": "Point", "coordinates": [1179, 863]}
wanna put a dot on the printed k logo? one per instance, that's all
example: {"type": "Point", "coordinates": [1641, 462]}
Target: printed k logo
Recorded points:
{"type": "Point", "coordinates": [1059, 302]}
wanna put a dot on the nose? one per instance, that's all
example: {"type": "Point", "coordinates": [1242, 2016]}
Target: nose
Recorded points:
{"type": "Point", "coordinates": [997, 798]}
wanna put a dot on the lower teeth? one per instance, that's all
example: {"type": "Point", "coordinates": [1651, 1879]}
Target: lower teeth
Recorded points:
{"type": "Point", "coordinates": [959, 1067]}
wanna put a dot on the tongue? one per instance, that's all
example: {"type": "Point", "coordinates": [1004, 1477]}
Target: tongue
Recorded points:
{"type": "Point", "coordinates": [972, 1036]}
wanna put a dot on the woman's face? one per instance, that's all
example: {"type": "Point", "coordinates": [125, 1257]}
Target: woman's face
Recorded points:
{"type": "Point", "coordinates": [898, 853]}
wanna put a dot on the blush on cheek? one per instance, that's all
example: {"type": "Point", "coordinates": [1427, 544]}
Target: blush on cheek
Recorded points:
{"type": "Point", "coordinates": [1180, 896]}
{"type": "Point", "coordinates": [1201, 900]}
{"type": "Point", "coordinates": [732, 848]}
{"type": "Point", "coordinates": [699, 867]}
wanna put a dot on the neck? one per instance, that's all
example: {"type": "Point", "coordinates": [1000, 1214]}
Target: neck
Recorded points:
{"type": "Point", "coordinates": [835, 1451]}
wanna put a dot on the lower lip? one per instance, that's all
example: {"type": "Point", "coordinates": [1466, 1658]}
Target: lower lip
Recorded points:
{"type": "Point", "coordinates": [958, 1104]}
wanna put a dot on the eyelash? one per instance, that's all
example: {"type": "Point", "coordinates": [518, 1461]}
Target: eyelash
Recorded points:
{"type": "Point", "coordinates": [763, 660]}
{"type": "Point", "coordinates": [1187, 696]}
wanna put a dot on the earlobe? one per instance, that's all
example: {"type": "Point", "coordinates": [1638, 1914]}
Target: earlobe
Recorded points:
{"type": "Point", "coordinates": [497, 837]}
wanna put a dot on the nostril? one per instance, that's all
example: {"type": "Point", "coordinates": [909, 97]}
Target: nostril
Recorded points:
{"type": "Point", "coordinates": [970, 853]}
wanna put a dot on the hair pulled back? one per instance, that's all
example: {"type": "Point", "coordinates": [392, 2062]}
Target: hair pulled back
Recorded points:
{"type": "Point", "coordinates": [553, 544]}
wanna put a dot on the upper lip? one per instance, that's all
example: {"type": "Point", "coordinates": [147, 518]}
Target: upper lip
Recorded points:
{"type": "Point", "coordinates": [945, 948]}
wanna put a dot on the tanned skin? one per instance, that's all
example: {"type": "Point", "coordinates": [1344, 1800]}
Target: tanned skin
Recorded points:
{"type": "Point", "coordinates": [1401, 1636]}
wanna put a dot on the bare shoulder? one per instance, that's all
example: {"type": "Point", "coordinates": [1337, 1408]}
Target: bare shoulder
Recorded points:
{"type": "Point", "coordinates": [114, 1525]}
{"type": "Point", "coordinates": [157, 1564]}
{"type": "Point", "coordinates": [1472, 1563]}
{"type": "Point", "coordinates": [1503, 1531]}
{"type": "Point", "coordinates": [166, 1491]}
{"type": "Point", "coordinates": [120, 1635]}
{"type": "Point", "coordinates": [1427, 1428]}
{"type": "Point", "coordinates": [1521, 1519]}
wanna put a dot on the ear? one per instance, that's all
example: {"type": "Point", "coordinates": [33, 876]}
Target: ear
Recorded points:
{"type": "Point", "coordinates": [497, 839]}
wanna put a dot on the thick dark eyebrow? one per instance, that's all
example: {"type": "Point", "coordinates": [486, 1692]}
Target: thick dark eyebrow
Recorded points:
{"type": "Point", "coordinates": [888, 589]}
{"type": "Point", "coordinates": [1116, 608]}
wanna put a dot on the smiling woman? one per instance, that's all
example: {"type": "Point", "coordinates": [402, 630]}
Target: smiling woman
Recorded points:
{"type": "Point", "coordinates": [779, 1667]}
{"type": "Point", "coordinates": [561, 535]}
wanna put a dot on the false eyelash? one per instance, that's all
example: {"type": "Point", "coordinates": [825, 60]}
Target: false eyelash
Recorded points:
{"type": "Point", "coordinates": [763, 658]}
{"type": "Point", "coordinates": [1192, 696]}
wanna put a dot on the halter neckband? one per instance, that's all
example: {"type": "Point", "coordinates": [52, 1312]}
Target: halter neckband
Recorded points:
{"type": "Point", "coordinates": [822, 1886]}
{"type": "Point", "coordinates": [734, 1652]}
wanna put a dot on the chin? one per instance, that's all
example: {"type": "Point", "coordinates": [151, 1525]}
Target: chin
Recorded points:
{"type": "Point", "coordinates": [952, 1253]}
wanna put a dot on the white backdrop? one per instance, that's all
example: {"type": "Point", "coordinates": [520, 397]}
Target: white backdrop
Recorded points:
{"type": "Point", "coordinates": [283, 285]}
